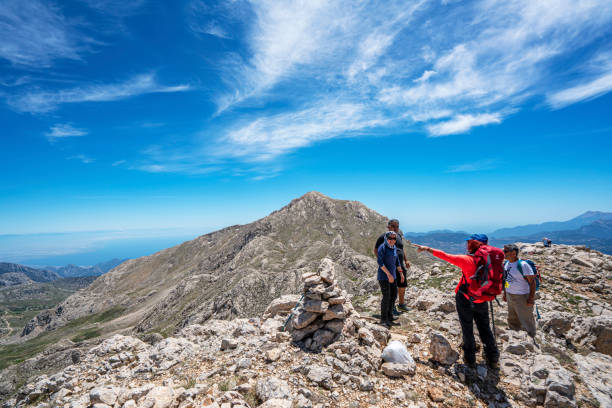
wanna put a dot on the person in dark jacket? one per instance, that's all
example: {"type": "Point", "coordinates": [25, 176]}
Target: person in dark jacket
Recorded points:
{"type": "Point", "coordinates": [402, 271]}
{"type": "Point", "coordinates": [388, 262]}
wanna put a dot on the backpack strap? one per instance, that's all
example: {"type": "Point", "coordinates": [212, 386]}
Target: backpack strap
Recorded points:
{"type": "Point", "coordinates": [520, 268]}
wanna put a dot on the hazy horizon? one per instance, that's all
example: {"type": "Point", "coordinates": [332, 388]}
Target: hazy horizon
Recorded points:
{"type": "Point", "coordinates": [87, 248]}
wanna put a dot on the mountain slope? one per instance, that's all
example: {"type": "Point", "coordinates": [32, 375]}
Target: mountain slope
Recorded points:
{"type": "Point", "coordinates": [15, 274]}
{"type": "Point", "coordinates": [575, 223]}
{"type": "Point", "coordinates": [234, 272]}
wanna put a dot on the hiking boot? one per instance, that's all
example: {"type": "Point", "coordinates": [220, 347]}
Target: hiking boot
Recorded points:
{"type": "Point", "coordinates": [493, 364]}
{"type": "Point", "coordinates": [470, 363]}
{"type": "Point", "coordinates": [395, 312]}
{"type": "Point", "coordinates": [402, 306]}
{"type": "Point", "coordinates": [385, 324]}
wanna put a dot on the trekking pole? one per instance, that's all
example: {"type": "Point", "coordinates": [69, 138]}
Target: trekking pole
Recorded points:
{"type": "Point", "coordinates": [291, 314]}
{"type": "Point", "coordinates": [538, 312]}
{"type": "Point", "coordinates": [493, 320]}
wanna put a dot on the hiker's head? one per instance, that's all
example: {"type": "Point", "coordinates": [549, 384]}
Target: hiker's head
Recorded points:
{"type": "Point", "coordinates": [511, 252]}
{"type": "Point", "coordinates": [393, 225]}
{"type": "Point", "coordinates": [474, 242]}
{"type": "Point", "coordinates": [391, 238]}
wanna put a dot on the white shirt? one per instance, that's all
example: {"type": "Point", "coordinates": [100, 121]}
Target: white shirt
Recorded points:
{"type": "Point", "coordinates": [517, 285]}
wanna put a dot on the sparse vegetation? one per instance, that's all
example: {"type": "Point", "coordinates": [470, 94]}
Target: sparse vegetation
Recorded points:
{"type": "Point", "coordinates": [87, 334]}
{"type": "Point", "coordinates": [78, 328]}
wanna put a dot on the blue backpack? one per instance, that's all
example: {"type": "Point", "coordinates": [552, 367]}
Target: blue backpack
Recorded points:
{"type": "Point", "coordinates": [533, 266]}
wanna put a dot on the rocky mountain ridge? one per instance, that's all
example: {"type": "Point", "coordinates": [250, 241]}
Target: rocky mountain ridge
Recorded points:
{"type": "Point", "coordinates": [234, 272]}
{"type": "Point", "coordinates": [15, 274]}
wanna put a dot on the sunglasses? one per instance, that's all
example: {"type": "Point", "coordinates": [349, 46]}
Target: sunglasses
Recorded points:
{"type": "Point", "coordinates": [391, 239]}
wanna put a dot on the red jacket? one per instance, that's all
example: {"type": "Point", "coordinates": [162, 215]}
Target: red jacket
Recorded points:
{"type": "Point", "coordinates": [468, 265]}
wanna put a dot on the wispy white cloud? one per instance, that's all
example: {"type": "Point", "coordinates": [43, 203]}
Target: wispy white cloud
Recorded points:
{"type": "Point", "coordinates": [215, 18]}
{"type": "Point", "coordinates": [36, 33]}
{"type": "Point", "coordinates": [479, 165]}
{"type": "Point", "coordinates": [463, 123]}
{"type": "Point", "coordinates": [83, 158]}
{"type": "Point", "coordinates": [115, 8]}
{"type": "Point", "coordinates": [63, 130]}
{"type": "Point", "coordinates": [426, 75]}
{"type": "Point", "coordinates": [45, 101]}
{"type": "Point", "coordinates": [593, 87]}
{"type": "Point", "coordinates": [268, 137]}
{"type": "Point", "coordinates": [350, 68]}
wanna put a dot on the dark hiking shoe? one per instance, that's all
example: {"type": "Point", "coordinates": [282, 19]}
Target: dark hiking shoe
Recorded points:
{"type": "Point", "coordinates": [470, 362]}
{"type": "Point", "coordinates": [493, 363]}
{"type": "Point", "coordinates": [402, 306]}
{"type": "Point", "coordinates": [394, 324]}
{"type": "Point", "coordinates": [395, 311]}
{"type": "Point", "coordinates": [385, 324]}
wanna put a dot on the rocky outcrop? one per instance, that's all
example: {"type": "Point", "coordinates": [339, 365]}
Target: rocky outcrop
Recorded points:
{"type": "Point", "coordinates": [325, 310]}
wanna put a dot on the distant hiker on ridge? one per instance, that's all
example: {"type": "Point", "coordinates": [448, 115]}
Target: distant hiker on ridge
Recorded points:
{"type": "Point", "coordinates": [388, 262]}
{"type": "Point", "coordinates": [401, 281]}
{"type": "Point", "coordinates": [471, 298]}
{"type": "Point", "coordinates": [547, 242]}
{"type": "Point", "coordinates": [519, 291]}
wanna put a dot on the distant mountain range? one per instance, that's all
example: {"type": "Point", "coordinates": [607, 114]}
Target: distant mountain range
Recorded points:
{"type": "Point", "coordinates": [15, 274]}
{"type": "Point", "coordinates": [71, 271]}
{"type": "Point", "coordinates": [585, 219]}
{"type": "Point", "coordinates": [593, 229]}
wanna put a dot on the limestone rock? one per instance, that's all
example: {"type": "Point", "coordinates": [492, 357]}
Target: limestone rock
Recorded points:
{"type": "Point", "coordinates": [595, 332]}
{"type": "Point", "coordinates": [272, 387]}
{"type": "Point", "coordinates": [303, 319]}
{"type": "Point", "coordinates": [281, 305]}
{"type": "Point", "coordinates": [335, 312]}
{"type": "Point", "coordinates": [276, 403]}
{"type": "Point", "coordinates": [326, 271]}
{"type": "Point", "coordinates": [103, 395]}
{"type": "Point", "coordinates": [323, 337]}
{"type": "Point", "coordinates": [579, 260]}
{"type": "Point", "coordinates": [441, 350]}
{"type": "Point", "coordinates": [315, 306]}
{"type": "Point", "coordinates": [557, 322]}
{"type": "Point", "coordinates": [595, 369]}
{"type": "Point", "coordinates": [320, 375]}
{"type": "Point", "coordinates": [399, 369]}
{"type": "Point", "coordinates": [159, 397]}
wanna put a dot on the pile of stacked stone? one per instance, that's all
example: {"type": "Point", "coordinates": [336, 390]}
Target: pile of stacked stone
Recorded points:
{"type": "Point", "coordinates": [322, 316]}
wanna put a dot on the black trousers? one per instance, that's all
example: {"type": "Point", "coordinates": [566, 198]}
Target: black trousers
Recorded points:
{"type": "Point", "coordinates": [468, 314]}
{"type": "Point", "coordinates": [389, 294]}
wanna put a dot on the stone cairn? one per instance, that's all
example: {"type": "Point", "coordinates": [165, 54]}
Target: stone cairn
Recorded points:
{"type": "Point", "coordinates": [322, 317]}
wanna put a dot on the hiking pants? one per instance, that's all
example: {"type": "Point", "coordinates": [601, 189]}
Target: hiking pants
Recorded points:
{"type": "Point", "coordinates": [519, 314]}
{"type": "Point", "coordinates": [468, 314]}
{"type": "Point", "coordinates": [389, 294]}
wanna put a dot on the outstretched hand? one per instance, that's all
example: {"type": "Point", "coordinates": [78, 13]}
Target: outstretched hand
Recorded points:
{"type": "Point", "coordinates": [422, 248]}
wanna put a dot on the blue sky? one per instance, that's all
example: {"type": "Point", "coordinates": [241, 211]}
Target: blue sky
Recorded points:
{"type": "Point", "coordinates": [195, 115]}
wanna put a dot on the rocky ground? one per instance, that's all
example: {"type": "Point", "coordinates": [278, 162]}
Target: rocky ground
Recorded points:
{"type": "Point", "coordinates": [252, 362]}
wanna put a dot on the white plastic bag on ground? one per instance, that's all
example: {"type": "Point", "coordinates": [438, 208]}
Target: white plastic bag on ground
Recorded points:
{"type": "Point", "coordinates": [396, 352]}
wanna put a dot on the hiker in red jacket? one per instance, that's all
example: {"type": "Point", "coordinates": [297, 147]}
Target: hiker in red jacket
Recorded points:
{"type": "Point", "coordinates": [471, 307]}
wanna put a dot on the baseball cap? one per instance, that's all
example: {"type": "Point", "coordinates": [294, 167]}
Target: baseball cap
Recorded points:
{"type": "Point", "coordinates": [478, 237]}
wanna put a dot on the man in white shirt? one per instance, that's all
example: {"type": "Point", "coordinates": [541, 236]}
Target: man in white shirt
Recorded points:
{"type": "Point", "coordinates": [519, 291]}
